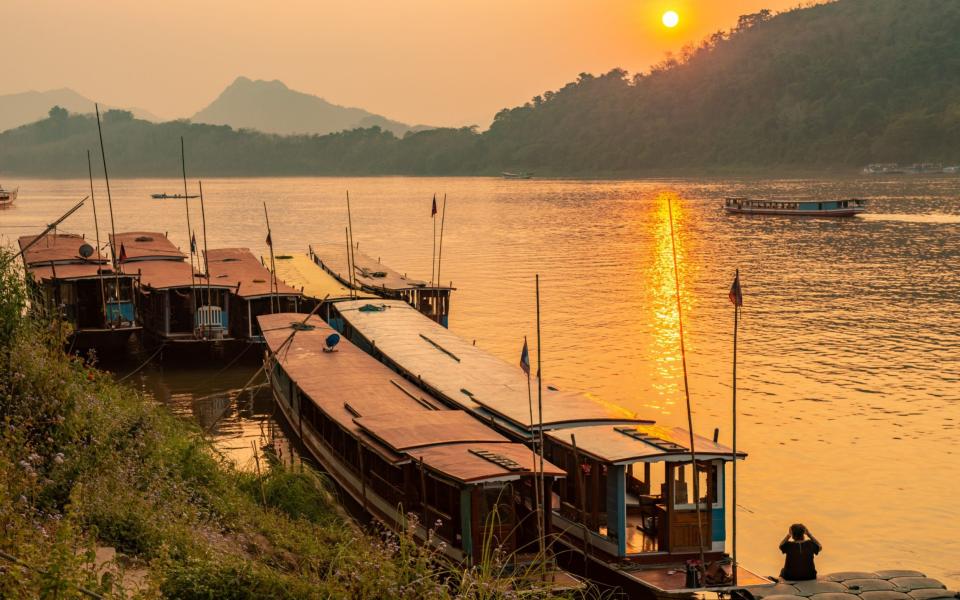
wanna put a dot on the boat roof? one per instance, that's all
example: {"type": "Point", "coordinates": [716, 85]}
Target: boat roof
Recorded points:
{"type": "Point", "coordinates": [641, 443]}
{"type": "Point", "coordinates": [145, 245]}
{"type": "Point", "coordinates": [239, 267]}
{"type": "Point", "coordinates": [374, 403]}
{"type": "Point", "coordinates": [168, 274]}
{"type": "Point", "coordinates": [466, 375]}
{"type": "Point", "coordinates": [57, 248]}
{"type": "Point", "coordinates": [369, 272]}
{"type": "Point", "coordinates": [300, 272]}
{"type": "Point", "coordinates": [72, 271]}
{"type": "Point", "coordinates": [479, 462]}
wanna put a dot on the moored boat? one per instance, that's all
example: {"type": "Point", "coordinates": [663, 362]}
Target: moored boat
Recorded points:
{"type": "Point", "coordinates": [165, 196]}
{"type": "Point", "coordinates": [812, 208]}
{"type": "Point", "coordinates": [626, 512]}
{"type": "Point", "coordinates": [7, 196]}
{"type": "Point", "coordinates": [401, 455]}
{"type": "Point", "coordinates": [520, 175]}
{"type": "Point", "coordinates": [376, 278]}
{"type": "Point", "coordinates": [71, 279]}
{"type": "Point", "coordinates": [316, 285]}
{"type": "Point", "coordinates": [178, 305]}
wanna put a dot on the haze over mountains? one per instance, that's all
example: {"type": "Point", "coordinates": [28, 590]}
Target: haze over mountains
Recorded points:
{"type": "Point", "coordinates": [830, 87]}
{"type": "Point", "coordinates": [27, 107]}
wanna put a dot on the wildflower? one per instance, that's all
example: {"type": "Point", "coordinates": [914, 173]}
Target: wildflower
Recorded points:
{"type": "Point", "coordinates": [58, 458]}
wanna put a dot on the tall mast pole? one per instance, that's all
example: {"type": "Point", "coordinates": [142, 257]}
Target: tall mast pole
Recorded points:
{"type": "Point", "coordinates": [96, 229]}
{"type": "Point", "coordinates": [443, 219]}
{"type": "Point", "coordinates": [353, 256]}
{"type": "Point", "coordinates": [736, 326]}
{"type": "Point", "coordinates": [274, 297]}
{"type": "Point", "coordinates": [113, 229]}
{"type": "Point", "coordinates": [190, 237]}
{"type": "Point", "coordinates": [206, 255]}
{"type": "Point", "coordinates": [543, 492]}
{"type": "Point", "coordinates": [433, 255]}
{"type": "Point", "coordinates": [686, 389]}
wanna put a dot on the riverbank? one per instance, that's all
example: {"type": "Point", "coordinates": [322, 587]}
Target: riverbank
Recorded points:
{"type": "Point", "coordinates": [106, 494]}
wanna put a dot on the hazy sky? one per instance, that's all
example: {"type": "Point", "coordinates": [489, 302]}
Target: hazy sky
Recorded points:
{"type": "Point", "coordinates": [440, 62]}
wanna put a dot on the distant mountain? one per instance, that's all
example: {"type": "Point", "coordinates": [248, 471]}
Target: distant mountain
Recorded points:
{"type": "Point", "coordinates": [272, 107]}
{"type": "Point", "coordinates": [27, 107]}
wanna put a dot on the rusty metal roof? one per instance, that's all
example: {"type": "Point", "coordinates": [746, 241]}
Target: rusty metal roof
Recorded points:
{"type": "Point", "coordinates": [402, 431]}
{"type": "Point", "coordinates": [239, 267]}
{"type": "Point", "coordinates": [145, 245]}
{"type": "Point", "coordinates": [478, 462]}
{"type": "Point", "coordinates": [640, 443]}
{"type": "Point", "coordinates": [59, 248]}
{"type": "Point", "coordinates": [167, 274]}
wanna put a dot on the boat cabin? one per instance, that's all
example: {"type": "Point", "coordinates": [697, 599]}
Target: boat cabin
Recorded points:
{"type": "Point", "coordinates": [374, 277]}
{"type": "Point", "coordinates": [316, 286]}
{"type": "Point", "coordinates": [397, 450]}
{"type": "Point", "coordinates": [72, 279]}
{"type": "Point", "coordinates": [177, 303]}
{"type": "Point", "coordinates": [253, 292]}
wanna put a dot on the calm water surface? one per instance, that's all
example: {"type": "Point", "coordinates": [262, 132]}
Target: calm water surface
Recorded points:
{"type": "Point", "coordinates": [849, 369]}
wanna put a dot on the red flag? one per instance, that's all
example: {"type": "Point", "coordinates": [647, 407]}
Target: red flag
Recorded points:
{"type": "Point", "coordinates": [433, 211]}
{"type": "Point", "coordinates": [736, 294]}
{"type": "Point", "coordinates": [123, 253]}
{"type": "Point", "coordinates": [269, 241]}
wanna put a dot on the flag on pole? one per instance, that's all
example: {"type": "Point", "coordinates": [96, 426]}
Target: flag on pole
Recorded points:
{"type": "Point", "coordinates": [123, 253]}
{"type": "Point", "coordinates": [269, 241]}
{"type": "Point", "coordinates": [736, 294]}
{"type": "Point", "coordinates": [433, 211]}
{"type": "Point", "coordinates": [525, 358]}
{"type": "Point", "coordinates": [193, 243]}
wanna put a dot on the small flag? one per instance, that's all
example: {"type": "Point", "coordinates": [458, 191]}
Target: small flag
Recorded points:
{"type": "Point", "coordinates": [736, 294]}
{"type": "Point", "coordinates": [193, 243]}
{"type": "Point", "coordinates": [269, 240]}
{"type": "Point", "coordinates": [123, 253]}
{"type": "Point", "coordinates": [525, 358]}
{"type": "Point", "coordinates": [433, 211]}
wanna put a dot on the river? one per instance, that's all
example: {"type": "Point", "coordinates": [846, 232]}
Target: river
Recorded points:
{"type": "Point", "coordinates": [849, 344]}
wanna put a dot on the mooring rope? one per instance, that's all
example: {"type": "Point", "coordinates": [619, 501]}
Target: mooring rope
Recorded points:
{"type": "Point", "coordinates": [145, 363]}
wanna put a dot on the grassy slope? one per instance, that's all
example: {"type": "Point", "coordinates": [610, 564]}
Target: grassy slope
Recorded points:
{"type": "Point", "coordinates": [86, 463]}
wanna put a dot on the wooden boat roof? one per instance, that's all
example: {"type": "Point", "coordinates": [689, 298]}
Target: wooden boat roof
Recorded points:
{"type": "Point", "coordinates": [465, 374]}
{"type": "Point", "coordinates": [239, 267]}
{"type": "Point", "coordinates": [300, 272]}
{"type": "Point", "coordinates": [72, 271]}
{"type": "Point", "coordinates": [145, 245]}
{"type": "Point", "coordinates": [384, 411]}
{"type": "Point", "coordinates": [640, 443]}
{"type": "Point", "coordinates": [58, 248]}
{"type": "Point", "coordinates": [168, 274]}
{"type": "Point", "coordinates": [466, 462]}
{"type": "Point", "coordinates": [369, 272]}
{"type": "Point", "coordinates": [402, 431]}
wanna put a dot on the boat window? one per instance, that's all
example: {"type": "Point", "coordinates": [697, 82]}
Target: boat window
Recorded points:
{"type": "Point", "coordinates": [683, 493]}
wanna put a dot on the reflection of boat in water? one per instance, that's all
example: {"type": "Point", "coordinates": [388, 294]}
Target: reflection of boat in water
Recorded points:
{"type": "Point", "coordinates": [171, 196]}
{"type": "Point", "coordinates": [818, 208]}
{"type": "Point", "coordinates": [7, 196]}
{"type": "Point", "coordinates": [520, 175]}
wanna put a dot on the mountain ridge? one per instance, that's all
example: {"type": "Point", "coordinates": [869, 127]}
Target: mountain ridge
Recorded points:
{"type": "Point", "coordinates": [21, 108]}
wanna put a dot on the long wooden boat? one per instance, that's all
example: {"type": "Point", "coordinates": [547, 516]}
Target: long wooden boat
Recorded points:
{"type": "Point", "coordinates": [70, 278]}
{"type": "Point", "coordinates": [376, 278]}
{"type": "Point", "coordinates": [316, 286]}
{"type": "Point", "coordinates": [252, 292]}
{"type": "Point", "coordinates": [625, 512]}
{"type": "Point", "coordinates": [801, 208]}
{"type": "Point", "coordinates": [520, 175]}
{"type": "Point", "coordinates": [397, 451]}
{"type": "Point", "coordinates": [178, 305]}
{"type": "Point", "coordinates": [7, 196]}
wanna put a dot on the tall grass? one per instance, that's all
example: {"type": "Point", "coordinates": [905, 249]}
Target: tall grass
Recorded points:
{"type": "Point", "coordinates": [86, 463]}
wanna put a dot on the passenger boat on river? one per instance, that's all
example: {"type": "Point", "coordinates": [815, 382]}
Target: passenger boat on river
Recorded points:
{"type": "Point", "coordinates": [7, 196]}
{"type": "Point", "coordinates": [178, 305]}
{"type": "Point", "coordinates": [808, 208]}
{"type": "Point", "coordinates": [71, 279]}
{"type": "Point", "coordinates": [316, 286]}
{"type": "Point", "coordinates": [252, 293]}
{"type": "Point", "coordinates": [376, 278]}
{"type": "Point", "coordinates": [625, 513]}
{"type": "Point", "coordinates": [396, 451]}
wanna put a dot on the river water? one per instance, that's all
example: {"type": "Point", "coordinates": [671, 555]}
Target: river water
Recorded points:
{"type": "Point", "coordinates": [849, 344]}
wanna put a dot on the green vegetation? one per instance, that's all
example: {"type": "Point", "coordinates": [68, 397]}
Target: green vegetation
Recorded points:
{"type": "Point", "coordinates": [87, 464]}
{"type": "Point", "coordinates": [835, 85]}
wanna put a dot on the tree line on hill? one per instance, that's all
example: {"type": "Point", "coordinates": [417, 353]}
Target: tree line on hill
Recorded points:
{"type": "Point", "coordinates": [832, 86]}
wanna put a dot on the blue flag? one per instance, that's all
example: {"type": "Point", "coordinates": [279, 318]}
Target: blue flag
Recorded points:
{"type": "Point", "coordinates": [525, 358]}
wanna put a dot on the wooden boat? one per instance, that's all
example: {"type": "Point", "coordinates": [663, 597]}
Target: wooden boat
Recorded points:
{"type": "Point", "coordinates": [314, 283]}
{"type": "Point", "coordinates": [7, 196]}
{"type": "Point", "coordinates": [70, 278]}
{"type": "Point", "coordinates": [397, 451]}
{"type": "Point", "coordinates": [177, 304]}
{"type": "Point", "coordinates": [171, 196]}
{"type": "Point", "coordinates": [828, 208]}
{"type": "Point", "coordinates": [252, 293]}
{"type": "Point", "coordinates": [520, 175]}
{"type": "Point", "coordinates": [374, 277]}
{"type": "Point", "coordinates": [625, 513]}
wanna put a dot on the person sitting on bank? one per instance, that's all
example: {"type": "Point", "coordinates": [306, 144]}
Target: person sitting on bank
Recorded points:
{"type": "Point", "coordinates": [800, 547]}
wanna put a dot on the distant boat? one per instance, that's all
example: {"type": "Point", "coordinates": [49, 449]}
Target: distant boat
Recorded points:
{"type": "Point", "coordinates": [7, 196]}
{"type": "Point", "coordinates": [828, 208]}
{"type": "Point", "coordinates": [170, 196]}
{"type": "Point", "coordinates": [952, 169]}
{"type": "Point", "coordinates": [520, 175]}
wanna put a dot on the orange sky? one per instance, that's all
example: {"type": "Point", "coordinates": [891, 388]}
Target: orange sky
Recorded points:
{"type": "Point", "coordinates": [441, 62]}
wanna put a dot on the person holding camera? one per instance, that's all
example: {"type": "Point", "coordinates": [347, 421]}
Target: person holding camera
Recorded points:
{"type": "Point", "coordinates": [800, 547]}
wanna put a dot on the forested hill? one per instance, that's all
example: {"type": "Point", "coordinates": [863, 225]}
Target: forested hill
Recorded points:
{"type": "Point", "coordinates": [832, 86]}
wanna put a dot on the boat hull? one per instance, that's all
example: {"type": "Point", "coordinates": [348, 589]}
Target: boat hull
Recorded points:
{"type": "Point", "coordinates": [103, 341]}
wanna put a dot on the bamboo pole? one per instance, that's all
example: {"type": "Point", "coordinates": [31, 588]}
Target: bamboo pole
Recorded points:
{"type": "Point", "coordinates": [206, 254]}
{"type": "Point", "coordinates": [346, 233]}
{"type": "Point", "coordinates": [353, 258]}
{"type": "Point", "coordinates": [540, 395]}
{"type": "Point", "coordinates": [433, 255]}
{"type": "Point", "coordinates": [186, 205]}
{"type": "Point", "coordinates": [113, 229]}
{"type": "Point", "coordinates": [733, 508]}
{"type": "Point", "coordinates": [686, 389]}
{"type": "Point", "coordinates": [533, 449]}
{"type": "Point", "coordinates": [443, 219]}
{"type": "Point", "coordinates": [96, 229]}
{"type": "Point", "coordinates": [274, 297]}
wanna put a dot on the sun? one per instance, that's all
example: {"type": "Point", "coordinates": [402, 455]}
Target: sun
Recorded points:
{"type": "Point", "coordinates": [670, 18]}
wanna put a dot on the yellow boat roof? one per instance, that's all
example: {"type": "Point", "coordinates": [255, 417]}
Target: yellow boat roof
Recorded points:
{"type": "Point", "coordinates": [301, 273]}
